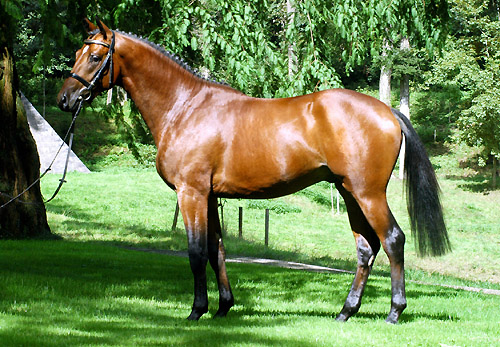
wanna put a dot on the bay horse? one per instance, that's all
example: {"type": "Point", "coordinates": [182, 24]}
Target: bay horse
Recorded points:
{"type": "Point", "coordinates": [214, 141]}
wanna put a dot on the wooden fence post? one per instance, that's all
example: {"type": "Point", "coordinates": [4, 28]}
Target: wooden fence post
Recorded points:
{"type": "Point", "coordinates": [338, 202]}
{"type": "Point", "coordinates": [109, 99]}
{"type": "Point", "coordinates": [331, 197]}
{"type": "Point", "coordinates": [176, 216]}
{"type": "Point", "coordinates": [266, 239]}
{"type": "Point", "coordinates": [223, 225]}
{"type": "Point", "coordinates": [240, 222]}
{"type": "Point", "coordinates": [338, 199]}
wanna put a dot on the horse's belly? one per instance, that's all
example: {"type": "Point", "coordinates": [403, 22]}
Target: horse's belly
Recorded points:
{"type": "Point", "coordinates": [265, 186]}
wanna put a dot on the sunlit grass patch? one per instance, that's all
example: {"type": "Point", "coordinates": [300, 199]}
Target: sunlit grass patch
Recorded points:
{"type": "Point", "coordinates": [85, 293]}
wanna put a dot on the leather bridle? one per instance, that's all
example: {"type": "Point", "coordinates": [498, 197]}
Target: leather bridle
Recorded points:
{"type": "Point", "coordinates": [89, 86]}
{"type": "Point", "coordinates": [107, 63]}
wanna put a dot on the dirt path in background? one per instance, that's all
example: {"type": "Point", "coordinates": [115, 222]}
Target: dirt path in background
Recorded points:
{"type": "Point", "coordinates": [306, 267]}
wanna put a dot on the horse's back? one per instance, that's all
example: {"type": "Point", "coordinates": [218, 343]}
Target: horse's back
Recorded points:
{"type": "Point", "coordinates": [347, 129]}
{"type": "Point", "coordinates": [293, 142]}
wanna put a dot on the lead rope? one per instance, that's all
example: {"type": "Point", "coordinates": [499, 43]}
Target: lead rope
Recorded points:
{"type": "Point", "coordinates": [69, 133]}
{"type": "Point", "coordinates": [62, 180]}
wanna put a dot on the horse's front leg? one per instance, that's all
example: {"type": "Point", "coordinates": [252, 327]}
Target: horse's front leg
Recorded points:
{"type": "Point", "coordinates": [217, 257]}
{"type": "Point", "coordinates": [194, 207]}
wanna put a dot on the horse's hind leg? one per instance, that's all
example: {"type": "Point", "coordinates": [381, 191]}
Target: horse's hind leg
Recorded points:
{"type": "Point", "coordinates": [217, 257]}
{"type": "Point", "coordinates": [393, 243]}
{"type": "Point", "coordinates": [367, 246]}
{"type": "Point", "coordinates": [378, 214]}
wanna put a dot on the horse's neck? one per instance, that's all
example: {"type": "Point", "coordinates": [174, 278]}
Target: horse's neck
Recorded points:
{"type": "Point", "coordinates": [158, 86]}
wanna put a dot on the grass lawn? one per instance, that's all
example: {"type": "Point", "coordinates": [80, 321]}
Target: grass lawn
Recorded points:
{"type": "Point", "coordinates": [56, 293]}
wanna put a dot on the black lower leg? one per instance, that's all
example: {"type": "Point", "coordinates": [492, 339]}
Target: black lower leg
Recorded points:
{"type": "Point", "coordinates": [198, 264]}
{"type": "Point", "coordinates": [394, 247]}
{"type": "Point", "coordinates": [217, 259]}
{"type": "Point", "coordinates": [367, 247]}
{"type": "Point", "coordinates": [226, 299]}
{"type": "Point", "coordinates": [366, 257]}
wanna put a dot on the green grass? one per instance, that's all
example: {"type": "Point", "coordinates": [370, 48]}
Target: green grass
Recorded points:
{"type": "Point", "coordinates": [57, 293]}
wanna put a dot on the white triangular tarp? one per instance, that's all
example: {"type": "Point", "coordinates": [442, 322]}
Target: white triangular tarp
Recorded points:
{"type": "Point", "coordinates": [48, 143]}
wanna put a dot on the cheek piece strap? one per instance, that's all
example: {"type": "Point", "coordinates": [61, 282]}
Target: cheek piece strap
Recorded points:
{"type": "Point", "coordinates": [106, 64]}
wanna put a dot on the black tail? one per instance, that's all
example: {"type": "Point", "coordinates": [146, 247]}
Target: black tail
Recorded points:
{"type": "Point", "coordinates": [424, 207]}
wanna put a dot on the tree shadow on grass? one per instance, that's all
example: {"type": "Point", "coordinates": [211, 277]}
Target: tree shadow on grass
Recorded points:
{"type": "Point", "coordinates": [378, 288]}
{"type": "Point", "coordinates": [86, 221]}
{"type": "Point", "coordinates": [325, 295]}
{"type": "Point", "coordinates": [407, 317]}
{"type": "Point", "coordinates": [96, 294]}
{"type": "Point", "coordinates": [475, 184]}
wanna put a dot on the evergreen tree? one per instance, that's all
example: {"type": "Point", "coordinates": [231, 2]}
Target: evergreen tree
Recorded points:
{"type": "Point", "coordinates": [470, 69]}
{"type": "Point", "coordinates": [19, 163]}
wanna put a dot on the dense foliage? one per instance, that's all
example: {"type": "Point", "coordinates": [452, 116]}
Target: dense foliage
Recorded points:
{"type": "Point", "coordinates": [279, 48]}
{"type": "Point", "coordinates": [465, 79]}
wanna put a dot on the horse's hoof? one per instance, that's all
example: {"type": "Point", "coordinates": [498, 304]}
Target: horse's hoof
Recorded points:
{"type": "Point", "coordinates": [196, 314]}
{"type": "Point", "coordinates": [391, 320]}
{"type": "Point", "coordinates": [224, 309]}
{"type": "Point", "coordinates": [341, 318]}
{"type": "Point", "coordinates": [394, 313]}
{"type": "Point", "coordinates": [220, 313]}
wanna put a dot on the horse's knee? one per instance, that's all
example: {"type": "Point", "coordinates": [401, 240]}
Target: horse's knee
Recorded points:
{"type": "Point", "coordinates": [366, 252]}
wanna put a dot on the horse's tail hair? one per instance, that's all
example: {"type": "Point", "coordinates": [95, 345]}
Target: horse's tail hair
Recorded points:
{"type": "Point", "coordinates": [424, 207]}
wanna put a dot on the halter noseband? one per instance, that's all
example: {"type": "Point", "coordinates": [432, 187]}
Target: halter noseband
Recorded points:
{"type": "Point", "coordinates": [99, 74]}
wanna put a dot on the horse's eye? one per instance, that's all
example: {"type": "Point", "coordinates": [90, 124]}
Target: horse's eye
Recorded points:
{"type": "Point", "coordinates": [94, 58]}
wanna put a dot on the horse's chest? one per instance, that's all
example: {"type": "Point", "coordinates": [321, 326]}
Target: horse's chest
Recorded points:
{"type": "Point", "coordinates": [184, 165]}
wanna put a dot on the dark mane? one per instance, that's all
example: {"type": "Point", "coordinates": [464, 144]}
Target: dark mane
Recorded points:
{"type": "Point", "coordinates": [179, 61]}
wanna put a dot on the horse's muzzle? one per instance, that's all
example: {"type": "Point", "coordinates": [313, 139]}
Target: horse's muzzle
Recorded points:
{"type": "Point", "coordinates": [68, 102]}
{"type": "Point", "coordinates": [63, 102]}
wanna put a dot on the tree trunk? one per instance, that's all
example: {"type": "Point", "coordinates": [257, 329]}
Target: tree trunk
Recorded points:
{"type": "Point", "coordinates": [404, 104]}
{"type": "Point", "coordinates": [404, 92]}
{"type": "Point", "coordinates": [385, 78]}
{"type": "Point", "coordinates": [19, 161]}
{"type": "Point", "coordinates": [495, 169]}
{"type": "Point", "coordinates": [292, 57]}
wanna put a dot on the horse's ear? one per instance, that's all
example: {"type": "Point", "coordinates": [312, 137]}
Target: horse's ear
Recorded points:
{"type": "Point", "coordinates": [88, 25]}
{"type": "Point", "coordinates": [102, 28]}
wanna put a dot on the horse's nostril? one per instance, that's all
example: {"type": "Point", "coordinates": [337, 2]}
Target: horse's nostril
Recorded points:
{"type": "Point", "coordinates": [63, 102]}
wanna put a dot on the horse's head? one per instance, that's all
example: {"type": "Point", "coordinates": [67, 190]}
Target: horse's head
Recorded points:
{"type": "Point", "coordinates": [94, 70]}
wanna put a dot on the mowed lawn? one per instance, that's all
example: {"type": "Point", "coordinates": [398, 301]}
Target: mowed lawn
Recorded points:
{"type": "Point", "coordinates": [56, 293]}
{"type": "Point", "coordinates": [88, 290]}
